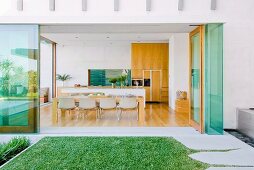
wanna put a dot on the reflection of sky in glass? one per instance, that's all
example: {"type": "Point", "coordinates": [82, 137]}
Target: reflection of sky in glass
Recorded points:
{"type": "Point", "coordinates": [19, 37]}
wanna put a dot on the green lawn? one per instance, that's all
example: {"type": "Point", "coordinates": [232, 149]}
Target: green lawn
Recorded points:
{"type": "Point", "coordinates": [135, 153]}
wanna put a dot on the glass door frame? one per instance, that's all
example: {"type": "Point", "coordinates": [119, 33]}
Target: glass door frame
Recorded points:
{"type": "Point", "coordinates": [33, 113]}
{"type": "Point", "coordinates": [194, 124]}
{"type": "Point", "coordinates": [33, 124]}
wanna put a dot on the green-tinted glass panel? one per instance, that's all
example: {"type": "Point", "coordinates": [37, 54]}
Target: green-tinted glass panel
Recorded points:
{"type": "Point", "coordinates": [195, 83]}
{"type": "Point", "coordinates": [19, 78]}
{"type": "Point", "coordinates": [214, 79]}
{"type": "Point", "coordinates": [101, 77]}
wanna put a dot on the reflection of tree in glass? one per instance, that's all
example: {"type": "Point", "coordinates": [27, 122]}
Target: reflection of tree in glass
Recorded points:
{"type": "Point", "coordinates": [6, 67]}
{"type": "Point", "coordinates": [15, 81]}
{"type": "Point", "coordinates": [32, 82]}
{"type": "Point", "coordinates": [19, 77]}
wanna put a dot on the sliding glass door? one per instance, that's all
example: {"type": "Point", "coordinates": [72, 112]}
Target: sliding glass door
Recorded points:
{"type": "Point", "coordinates": [214, 78]}
{"type": "Point", "coordinates": [19, 78]}
{"type": "Point", "coordinates": [196, 65]}
{"type": "Point", "coordinates": [206, 79]}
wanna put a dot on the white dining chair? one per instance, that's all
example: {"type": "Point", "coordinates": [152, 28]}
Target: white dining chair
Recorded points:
{"type": "Point", "coordinates": [66, 104]}
{"type": "Point", "coordinates": [107, 104]}
{"type": "Point", "coordinates": [87, 104]}
{"type": "Point", "coordinates": [127, 103]}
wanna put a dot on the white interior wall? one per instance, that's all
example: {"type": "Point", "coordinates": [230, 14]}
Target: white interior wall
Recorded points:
{"type": "Point", "coordinates": [46, 67]}
{"type": "Point", "coordinates": [76, 60]}
{"type": "Point", "coordinates": [178, 65]}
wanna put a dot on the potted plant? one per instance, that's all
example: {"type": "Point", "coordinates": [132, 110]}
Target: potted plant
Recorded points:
{"type": "Point", "coordinates": [63, 78]}
{"type": "Point", "coordinates": [121, 79]}
{"type": "Point", "coordinates": [113, 82]}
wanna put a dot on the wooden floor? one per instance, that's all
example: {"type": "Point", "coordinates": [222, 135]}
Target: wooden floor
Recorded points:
{"type": "Point", "coordinates": [157, 115]}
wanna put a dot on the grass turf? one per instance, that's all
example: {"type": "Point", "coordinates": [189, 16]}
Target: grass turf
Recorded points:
{"type": "Point", "coordinates": [135, 153]}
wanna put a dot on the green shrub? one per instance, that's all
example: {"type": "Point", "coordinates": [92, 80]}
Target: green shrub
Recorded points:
{"type": "Point", "coordinates": [12, 148]}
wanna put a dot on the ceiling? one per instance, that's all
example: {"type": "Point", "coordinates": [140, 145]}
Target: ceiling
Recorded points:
{"type": "Point", "coordinates": [112, 33]}
{"type": "Point", "coordinates": [102, 38]}
{"type": "Point", "coordinates": [118, 28]}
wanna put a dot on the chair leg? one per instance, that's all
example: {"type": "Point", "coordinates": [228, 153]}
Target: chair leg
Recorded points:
{"type": "Point", "coordinates": [137, 115]}
{"type": "Point", "coordinates": [63, 112]}
{"type": "Point", "coordinates": [120, 114]}
{"type": "Point", "coordinates": [101, 112]}
{"type": "Point", "coordinates": [79, 113]}
{"type": "Point", "coordinates": [85, 113]}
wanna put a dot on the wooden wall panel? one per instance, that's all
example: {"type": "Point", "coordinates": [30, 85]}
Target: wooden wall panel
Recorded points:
{"type": "Point", "coordinates": [137, 73]}
{"type": "Point", "coordinates": [164, 78]}
{"type": "Point", "coordinates": [147, 74]}
{"type": "Point", "coordinates": [156, 86]}
{"type": "Point", "coordinates": [148, 93]}
{"type": "Point", "coordinates": [165, 56]}
{"type": "Point", "coordinates": [150, 56]}
{"type": "Point", "coordinates": [137, 57]}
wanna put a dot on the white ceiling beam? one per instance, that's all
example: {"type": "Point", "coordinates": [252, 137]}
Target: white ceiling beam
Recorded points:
{"type": "Point", "coordinates": [148, 5]}
{"type": "Point", "coordinates": [116, 5]}
{"type": "Point", "coordinates": [180, 5]}
{"type": "Point", "coordinates": [84, 5]}
{"type": "Point", "coordinates": [52, 6]}
{"type": "Point", "coordinates": [213, 4]}
{"type": "Point", "coordinates": [20, 5]}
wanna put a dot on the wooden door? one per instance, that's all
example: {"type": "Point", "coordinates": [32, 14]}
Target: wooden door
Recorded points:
{"type": "Point", "coordinates": [156, 86]}
{"type": "Point", "coordinates": [196, 79]}
{"type": "Point", "coordinates": [147, 77]}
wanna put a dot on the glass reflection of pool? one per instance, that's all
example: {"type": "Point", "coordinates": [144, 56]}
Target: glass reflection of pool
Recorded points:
{"type": "Point", "coordinates": [14, 113]}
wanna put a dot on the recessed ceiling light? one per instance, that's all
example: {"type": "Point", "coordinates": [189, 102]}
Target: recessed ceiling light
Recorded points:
{"type": "Point", "coordinates": [108, 37]}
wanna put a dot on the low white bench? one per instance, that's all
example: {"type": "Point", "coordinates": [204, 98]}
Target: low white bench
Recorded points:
{"type": "Point", "coordinates": [246, 121]}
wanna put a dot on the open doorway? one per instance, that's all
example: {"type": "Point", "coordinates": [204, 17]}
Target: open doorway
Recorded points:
{"type": "Point", "coordinates": [89, 52]}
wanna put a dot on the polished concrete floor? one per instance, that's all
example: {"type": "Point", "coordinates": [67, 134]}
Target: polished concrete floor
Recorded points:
{"type": "Point", "coordinates": [156, 115]}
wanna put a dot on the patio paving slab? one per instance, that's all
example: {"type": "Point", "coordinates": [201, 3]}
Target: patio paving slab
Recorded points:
{"type": "Point", "coordinates": [213, 142]}
{"type": "Point", "coordinates": [241, 157]}
{"type": "Point", "coordinates": [235, 152]}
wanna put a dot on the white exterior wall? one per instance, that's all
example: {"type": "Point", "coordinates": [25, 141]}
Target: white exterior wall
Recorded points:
{"type": "Point", "coordinates": [238, 31]}
{"type": "Point", "coordinates": [178, 65]}
{"type": "Point", "coordinates": [76, 60]}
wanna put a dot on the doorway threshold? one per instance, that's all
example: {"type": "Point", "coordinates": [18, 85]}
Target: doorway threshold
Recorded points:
{"type": "Point", "coordinates": [119, 131]}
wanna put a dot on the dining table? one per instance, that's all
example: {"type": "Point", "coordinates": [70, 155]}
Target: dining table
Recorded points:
{"type": "Point", "coordinates": [140, 102]}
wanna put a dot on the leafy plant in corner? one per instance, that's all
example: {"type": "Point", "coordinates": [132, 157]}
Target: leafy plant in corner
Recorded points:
{"type": "Point", "coordinates": [63, 77]}
{"type": "Point", "coordinates": [12, 148]}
